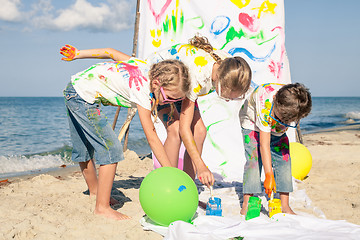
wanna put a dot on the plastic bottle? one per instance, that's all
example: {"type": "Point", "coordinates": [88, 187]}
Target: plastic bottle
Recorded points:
{"type": "Point", "coordinates": [274, 207]}
{"type": "Point", "coordinates": [254, 208]}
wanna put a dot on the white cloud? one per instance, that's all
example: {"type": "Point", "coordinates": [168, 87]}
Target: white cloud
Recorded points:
{"type": "Point", "coordinates": [111, 15]}
{"type": "Point", "coordinates": [9, 10]}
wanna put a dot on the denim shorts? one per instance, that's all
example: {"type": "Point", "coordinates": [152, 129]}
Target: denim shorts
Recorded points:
{"type": "Point", "coordinates": [280, 160]}
{"type": "Point", "coordinates": [91, 134]}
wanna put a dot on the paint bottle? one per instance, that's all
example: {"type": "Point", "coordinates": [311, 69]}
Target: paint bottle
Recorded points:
{"type": "Point", "coordinates": [254, 208]}
{"type": "Point", "coordinates": [274, 207]}
{"type": "Point", "coordinates": [213, 207]}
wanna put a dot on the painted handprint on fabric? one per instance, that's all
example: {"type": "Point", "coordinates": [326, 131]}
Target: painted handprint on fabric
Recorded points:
{"type": "Point", "coordinates": [135, 75]}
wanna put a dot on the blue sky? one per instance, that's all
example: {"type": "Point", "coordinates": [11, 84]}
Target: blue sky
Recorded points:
{"type": "Point", "coordinates": [322, 42]}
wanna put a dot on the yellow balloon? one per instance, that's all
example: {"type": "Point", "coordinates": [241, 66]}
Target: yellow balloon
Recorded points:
{"type": "Point", "coordinates": [301, 160]}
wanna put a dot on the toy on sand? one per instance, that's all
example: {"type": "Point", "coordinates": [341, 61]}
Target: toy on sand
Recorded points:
{"type": "Point", "coordinates": [301, 160]}
{"type": "Point", "coordinates": [168, 194]}
{"type": "Point", "coordinates": [254, 208]}
{"type": "Point", "coordinates": [213, 206]}
{"type": "Point", "coordinates": [274, 205]}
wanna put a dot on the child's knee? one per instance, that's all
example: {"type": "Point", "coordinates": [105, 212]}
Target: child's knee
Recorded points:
{"type": "Point", "coordinates": [173, 130]}
{"type": "Point", "coordinates": [200, 133]}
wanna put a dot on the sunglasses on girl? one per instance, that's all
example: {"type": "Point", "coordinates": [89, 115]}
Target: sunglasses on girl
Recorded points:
{"type": "Point", "coordinates": [168, 100]}
{"type": "Point", "coordinates": [242, 97]}
{"type": "Point", "coordinates": [276, 119]}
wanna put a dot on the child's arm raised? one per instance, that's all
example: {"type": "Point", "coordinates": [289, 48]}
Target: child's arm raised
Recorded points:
{"type": "Point", "coordinates": [186, 118]}
{"type": "Point", "coordinates": [269, 183]}
{"type": "Point", "coordinates": [71, 53]}
{"type": "Point", "coordinates": [155, 144]}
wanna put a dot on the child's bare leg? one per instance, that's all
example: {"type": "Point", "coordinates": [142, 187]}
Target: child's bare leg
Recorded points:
{"type": "Point", "coordinates": [199, 130]}
{"type": "Point", "coordinates": [88, 170]}
{"type": "Point", "coordinates": [245, 203]}
{"type": "Point", "coordinates": [285, 207]}
{"type": "Point", "coordinates": [173, 141]}
{"type": "Point", "coordinates": [105, 182]}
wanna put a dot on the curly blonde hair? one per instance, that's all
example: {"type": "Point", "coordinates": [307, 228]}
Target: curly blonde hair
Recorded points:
{"type": "Point", "coordinates": [234, 72]}
{"type": "Point", "coordinates": [172, 74]}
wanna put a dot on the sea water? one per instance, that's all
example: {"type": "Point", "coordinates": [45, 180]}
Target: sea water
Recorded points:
{"type": "Point", "coordinates": [34, 134]}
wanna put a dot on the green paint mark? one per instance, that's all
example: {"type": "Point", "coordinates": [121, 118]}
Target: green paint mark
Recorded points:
{"type": "Point", "coordinates": [173, 18]}
{"type": "Point", "coordinates": [247, 139]}
{"type": "Point", "coordinates": [196, 22]}
{"type": "Point", "coordinates": [166, 25]}
{"type": "Point", "coordinates": [259, 37]}
{"type": "Point", "coordinates": [174, 22]}
{"type": "Point", "coordinates": [284, 145]}
{"type": "Point", "coordinates": [222, 164]}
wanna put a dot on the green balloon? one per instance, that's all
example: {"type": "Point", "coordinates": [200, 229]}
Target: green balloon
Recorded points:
{"type": "Point", "coordinates": [168, 194]}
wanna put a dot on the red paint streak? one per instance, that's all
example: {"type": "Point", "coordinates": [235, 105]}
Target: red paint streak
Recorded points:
{"type": "Point", "coordinates": [162, 11]}
{"type": "Point", "coordinates": [98, 111]}
{"type": "Point", "coordinates": [251, 23]}
{"type": "Point", "coordinates": [135, 75]}
{"type": "Point", "coordinates": [276, 67]}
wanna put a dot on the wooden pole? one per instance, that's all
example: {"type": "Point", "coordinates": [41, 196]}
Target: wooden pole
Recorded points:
{"type": "Point", "coordinates": [298, 134]}
{"type": "Point", "coordinates": [131, 112]}
{"type": "Point", "coordinates": [116, 117]}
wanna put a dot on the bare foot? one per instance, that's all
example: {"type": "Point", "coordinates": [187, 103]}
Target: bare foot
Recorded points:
{"type": "Point", "coordinates": [288, 210]}
{"type": "Point", "coordinates": [111, 213]}
{"type": "Point", "coordinates": [243, 211]}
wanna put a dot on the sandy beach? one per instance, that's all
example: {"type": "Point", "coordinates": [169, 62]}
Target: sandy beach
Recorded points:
{"type": "Point", "coordinates": [55, 205]}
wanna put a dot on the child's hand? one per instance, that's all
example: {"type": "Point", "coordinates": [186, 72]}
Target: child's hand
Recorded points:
{"type": "Point", "coordinates": [69, 52]}
{"type": "Point", "coordinates": [205, 176]}
{"type": "Point", "coordinates": [269, 183]}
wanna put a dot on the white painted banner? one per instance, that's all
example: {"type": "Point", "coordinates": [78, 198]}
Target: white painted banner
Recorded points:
{"type": "Point", "coordinates": [252, 29]}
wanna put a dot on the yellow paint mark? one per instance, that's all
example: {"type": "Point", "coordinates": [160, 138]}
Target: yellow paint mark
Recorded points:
{"type": "Point", "coordinates": [156, 35]}
{"type": "Point", "coordinates": [240, 3]}
{"type": "Point", "coordinates": [266, 7]}
{"type": "Point", "coordinates": [189, 49]}
{"type": "Point", "coordinates": [197, 89]}
{"type": "Point", "coordinates": [200, 61]}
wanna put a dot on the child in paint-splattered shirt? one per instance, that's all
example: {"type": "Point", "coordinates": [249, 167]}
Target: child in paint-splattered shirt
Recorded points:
{"type": "Point", "coordinates": [130, 84]}
{"type": "Point", "coordinates": [265, 116]}
{"type": "Point", "coordinates": [210, 70]}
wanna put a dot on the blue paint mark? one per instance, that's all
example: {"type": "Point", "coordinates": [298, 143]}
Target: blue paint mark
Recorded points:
{"type": "Point", "coordinates": [172, 51]}
{"type": "Point", "coordinates": [234, 51]}
{"type": "Point", "coordinates": [181, 188]}
{"type": "Point", "coordinates": [220, 24]}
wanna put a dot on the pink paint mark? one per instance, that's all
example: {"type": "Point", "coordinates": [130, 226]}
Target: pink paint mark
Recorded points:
{"type": "Point", "coordinates": [284, 147]}
{"type": "Point", "coordinates": [269, 89]}
{"type": "Point", "coordinates": [276, 67]}
{"type": "Point", "coordinates": [251, 23]}
{"type": "Point", "coordinates": [135, 75]}
{"type": "Point", "coordinates": [162, 11]}
{"type": "Point", "coordinates": [98, 111]}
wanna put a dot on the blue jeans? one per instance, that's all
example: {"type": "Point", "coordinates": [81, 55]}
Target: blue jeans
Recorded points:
{"type": "Point", "coordinates": [280, 160]}
{"type": "Point", "coordinates": [91, 134]}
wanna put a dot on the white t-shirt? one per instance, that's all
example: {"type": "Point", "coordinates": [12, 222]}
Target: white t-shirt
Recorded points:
{"type": "Point", "coordinates": [254, 114]}
{"type": "Point", "coordinates": [199, 62]}
{"type": "Point", "coordinates": [122, 83]}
